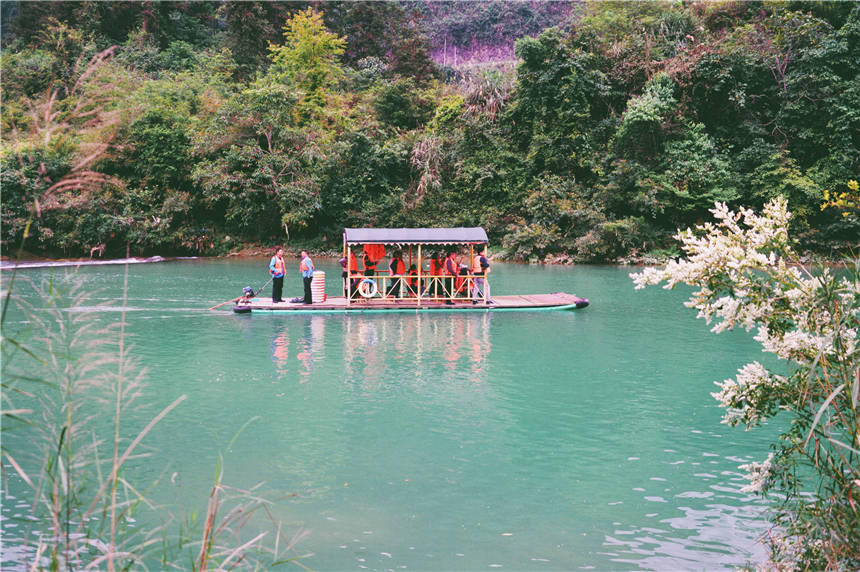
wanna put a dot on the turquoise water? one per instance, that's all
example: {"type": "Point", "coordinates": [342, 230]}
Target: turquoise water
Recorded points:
{"type": "Point", "coordinates": [527, 441]}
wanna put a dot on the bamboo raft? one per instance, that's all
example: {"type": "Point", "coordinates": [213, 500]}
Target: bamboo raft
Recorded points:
{"type": "Point", "coordinates": [371, 290]}
{"type": "Point", "coordinates": [338, 304]}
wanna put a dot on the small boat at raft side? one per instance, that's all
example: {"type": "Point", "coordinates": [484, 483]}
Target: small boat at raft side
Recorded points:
{"type": "Point", "coordinates": [374, 290]}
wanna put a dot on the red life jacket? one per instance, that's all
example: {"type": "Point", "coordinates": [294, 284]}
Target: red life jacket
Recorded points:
{"type": "Point", "coordinates": [397, 267]}
{"type": "Point", "coordinates": [413, 281]}
{"type": "Point", "coordinates": [451, 267]}
{"type": "Point", "coordinates": [353, 263]}
{"type": "Point", "coordinates": [280, 266]}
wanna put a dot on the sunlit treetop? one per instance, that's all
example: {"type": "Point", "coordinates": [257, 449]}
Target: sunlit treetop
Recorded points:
{"type": "Point", "coordinates": [310, 53]}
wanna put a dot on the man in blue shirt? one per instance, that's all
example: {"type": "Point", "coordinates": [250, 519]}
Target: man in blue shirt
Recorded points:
{"type": "Point", "coordinates": [480, 269]}
{"type": "Point", "coordinates": [278, 268]}
{"type": "Point", "coordinates": [307, 268]}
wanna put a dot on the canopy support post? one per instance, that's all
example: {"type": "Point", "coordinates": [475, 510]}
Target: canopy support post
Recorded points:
{"type": "Point", "coordinates": [470, 286]}
{"type": "Point", "coordinates": [420, 289]}
{"type": "Point", "coordinates": [348, 275]}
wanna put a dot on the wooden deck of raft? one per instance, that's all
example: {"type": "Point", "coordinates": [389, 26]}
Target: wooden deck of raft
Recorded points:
{"type": "Point", "coordinates": [555, 301]}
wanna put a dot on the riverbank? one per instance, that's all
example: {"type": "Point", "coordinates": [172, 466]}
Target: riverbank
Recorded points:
{"type": "Point", "coordinates": [255, 250]}
{"type": "Point", "coordinates": [6, 264]}
{"type": "Point", "coordinates": [9, 264]}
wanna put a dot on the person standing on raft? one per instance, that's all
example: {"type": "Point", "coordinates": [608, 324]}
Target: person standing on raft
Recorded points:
{"type": "Point", "coordinates": [480, 269]}
{"type": "Point", "coordinates": [369, 263]}
{"type": "Point", "coordinates": [278, 269]}
{"type": "Point", "coordinates": [307, 268]}
{"type": "Point", "coordinates": [452, 270]}
{"type": "Point", "coordinates": [396, 268]}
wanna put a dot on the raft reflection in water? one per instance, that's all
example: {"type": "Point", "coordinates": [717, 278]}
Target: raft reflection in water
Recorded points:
{"type": "Point", "coordinates": [309, 337]}
{"type": "Point", "coordinates": [373, 348]}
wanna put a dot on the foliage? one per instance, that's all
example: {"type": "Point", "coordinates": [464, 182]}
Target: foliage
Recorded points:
{"type": "Point", "coordinates": [308, 57]}
{"type": "Point", "coordinates": [747, 275]}
{"type": "Point", "coordinates": [488, 92]}
{"type": "Point", "coordinates": [251, 28]}
{"type": "Point", "coordinates": [400, 104]}
{"type": "Point", "coordinates": [51, 161]}
{"type": "Point", "coordinates": [847, 202]}
{"type": "Point", "coordinates": [485, 31]}
{"type": "Point", "coordinates": [641, 130]}
{"type": "Point", "coordinates": [363, 182]}
{"type": "Point", "coordinates": [201, 119]}
{"type": "Point", "coordinates": [25, 73]}
{"type": "Point", "coordinates": [552, 109]}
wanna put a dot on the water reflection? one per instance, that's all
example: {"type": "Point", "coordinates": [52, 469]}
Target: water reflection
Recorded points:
{"type": "Point", "coordinates": [281, 350]}
{"type": "Point", "coordinates": [448, 441]}
{"type": "Point", "coordinates": [380, 350]}
{"type": "Point", "coordinates": [310, 347]}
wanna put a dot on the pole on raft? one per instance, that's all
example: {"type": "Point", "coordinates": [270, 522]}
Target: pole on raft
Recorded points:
{"type": "Point", "coordinates": [486, 277]}
{"type": "Point", "coordinates": [471, 279]}
{"type": "Point", "coordinates": [419, 274]}
{"type": "Point", "coordinates": [348, 274]}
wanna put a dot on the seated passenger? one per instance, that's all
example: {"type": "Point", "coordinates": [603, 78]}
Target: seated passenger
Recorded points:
{"type": "Point", "coordinates": [369, 263]}
{"type": "Point", "coordinates": [412, 280]}
{"type": "Point", "coordinates": [397, 268]}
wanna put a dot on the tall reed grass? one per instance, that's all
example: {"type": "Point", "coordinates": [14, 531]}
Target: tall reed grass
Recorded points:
{"type": "Point", "coordinates": [69, 449]}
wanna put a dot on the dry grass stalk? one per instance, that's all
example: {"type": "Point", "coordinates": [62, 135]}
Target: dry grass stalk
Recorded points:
{"type": "Point", "coordinates": [78, 361]}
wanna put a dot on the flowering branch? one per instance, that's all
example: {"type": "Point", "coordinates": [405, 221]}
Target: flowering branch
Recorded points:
{"type": "Point", "coordinates": [747, 275]}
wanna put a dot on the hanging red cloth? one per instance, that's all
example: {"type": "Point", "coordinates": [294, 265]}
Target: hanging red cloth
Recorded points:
{"type": "Point", "coordinates": [376, 251]}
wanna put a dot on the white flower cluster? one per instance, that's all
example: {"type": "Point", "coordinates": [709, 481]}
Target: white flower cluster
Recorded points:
{"type": "Point", "coordinates": [759, 475]}
{"type": "Point", "coordinates": [743, 396]}
{"type": "Point", "coordinates": [726, 252]}
{"type": "Point", "coordinates": [740, 266]}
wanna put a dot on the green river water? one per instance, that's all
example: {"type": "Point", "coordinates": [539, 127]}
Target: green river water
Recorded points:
{"type": "Point", "coordinates": [572, 440]}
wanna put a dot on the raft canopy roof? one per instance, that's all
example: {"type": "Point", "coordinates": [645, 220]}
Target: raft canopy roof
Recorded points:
{"type": "Point", "coordinates": [459, 235]}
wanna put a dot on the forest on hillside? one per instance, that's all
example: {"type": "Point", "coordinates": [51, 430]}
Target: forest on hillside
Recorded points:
{"type": "Point", "coordinates": [579, 131]}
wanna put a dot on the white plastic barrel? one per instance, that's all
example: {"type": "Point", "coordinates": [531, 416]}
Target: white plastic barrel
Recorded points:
{"type": "Point", "coordinates": [318, 287]}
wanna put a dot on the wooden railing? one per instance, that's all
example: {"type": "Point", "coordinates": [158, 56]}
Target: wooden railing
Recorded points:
{"type": "Point", "coordinates": [416, 288]}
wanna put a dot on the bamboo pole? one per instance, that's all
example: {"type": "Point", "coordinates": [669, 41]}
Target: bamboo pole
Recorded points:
{"type": "Point", "coordinates": [486, 277]}
{"type": "Point", "coordinates": [420, 265]}
{"type": "Point", "coordinates": [470, 281]}
{"type": "Point", "coordinates": [348, 275]}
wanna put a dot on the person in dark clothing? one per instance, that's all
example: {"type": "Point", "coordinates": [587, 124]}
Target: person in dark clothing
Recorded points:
{"type": "Point", "coordinates": [343, 262]}
{"type": "Point", "coordinates": [397, 268]}
{"type": "Point", "coordinates": [307, 268]}
{"type": "Point", "coordinates": [412, 280]}
{"type": "Point", "coordinates": [369, 264]}
{"type": "Point", "coordinates": [278, 269]}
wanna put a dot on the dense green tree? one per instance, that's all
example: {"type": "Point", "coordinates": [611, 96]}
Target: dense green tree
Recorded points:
{"type": "Point", "coordinates": [244, 161]}
{"type": "Point", "coordinates": [251, 27]}
{"type": "Point", "coordinates": [364, 182]}
{"type": "Point", "coordinates": [309, 56]}
{"type": "Point", "coordinates": [401, 104]}
{"type": "Point", "coordinates": [551, 111]}
{"type": "Point", "coordinates": [384, 30]}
